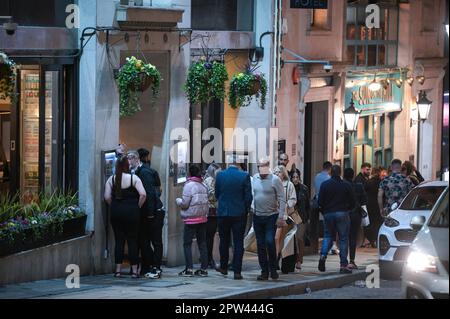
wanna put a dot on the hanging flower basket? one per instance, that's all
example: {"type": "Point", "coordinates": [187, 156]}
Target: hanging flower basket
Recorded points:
{"type": "Point", "coordinates": [134, 78]}
{"type": "Point", "coordinates": [7, 77]}
{"type": "Point", "coordinates": [206, 81]}
{"type": "Point", "coordinates": [244, 86]}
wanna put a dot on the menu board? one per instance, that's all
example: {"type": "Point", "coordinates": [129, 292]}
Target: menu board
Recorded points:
{"type": "Point", "coordinates": [30, 132]}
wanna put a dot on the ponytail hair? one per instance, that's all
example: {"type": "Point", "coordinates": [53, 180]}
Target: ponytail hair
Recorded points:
{"type": "Point", "coordinates": [122, 166]}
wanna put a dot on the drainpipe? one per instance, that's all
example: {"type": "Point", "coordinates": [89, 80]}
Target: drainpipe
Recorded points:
{"type": "Point", "coordinates": [275, 63]}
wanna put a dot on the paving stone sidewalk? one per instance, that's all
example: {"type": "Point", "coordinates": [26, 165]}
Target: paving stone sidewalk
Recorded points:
{"type": "Point", "coordinates": [216, 286]}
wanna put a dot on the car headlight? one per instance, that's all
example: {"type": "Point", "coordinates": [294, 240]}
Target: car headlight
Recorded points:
{"type": "Point", "coordinates": [418, 261]}
{"type": "Point", "coordinates": [391, 222]}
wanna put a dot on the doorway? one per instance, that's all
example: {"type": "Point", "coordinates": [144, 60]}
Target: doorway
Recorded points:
{"type": "Point", "coordinates": [316, 141]}
{"type": "Point", "coordinates": [33, 133]}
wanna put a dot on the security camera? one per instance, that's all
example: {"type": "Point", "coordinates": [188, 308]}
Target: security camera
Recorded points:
{"type": "Point", "coordinates": [10, 27]}
{"type": "Point", "coordinates": [328, 67]}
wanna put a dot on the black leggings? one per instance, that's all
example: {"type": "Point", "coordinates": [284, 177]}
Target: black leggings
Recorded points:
{"type": "Point", "coordinates": [355, 225]}
{"type": "Point", "coordinates": [125, 224]}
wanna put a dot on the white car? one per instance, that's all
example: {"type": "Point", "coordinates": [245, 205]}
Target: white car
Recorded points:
{"type": "Point", "coordinates": [425, 274]}
{"type": "Point", "coordinates": [396, 235]}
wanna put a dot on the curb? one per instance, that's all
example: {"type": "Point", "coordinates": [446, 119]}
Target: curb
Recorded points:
{"type": "Point", "coordinates": [297, 288]}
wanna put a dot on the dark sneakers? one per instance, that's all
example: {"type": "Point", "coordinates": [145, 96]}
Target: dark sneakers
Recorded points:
{"type": "Point", "coordinates": [238, 276]}
{"type": "Point", "coordinates": [321, 266]}
{"type": "Point", "coordinates": [274, 275]}
{"type": "Point", "coordinates": [263, 277]}
{"type": "Point", "coordinates": [222, 271]}
{"type": "Point", "coordinates": [201, 273]}
{"type": "Point", "coordinates": [186, 273]}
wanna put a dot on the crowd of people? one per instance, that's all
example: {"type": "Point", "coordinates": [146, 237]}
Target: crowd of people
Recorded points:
{"type": "Point", "coordinates": [273, 205]}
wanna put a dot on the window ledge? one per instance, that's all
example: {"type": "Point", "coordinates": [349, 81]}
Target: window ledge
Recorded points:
{"type": "Point", "coordinates": [321, 32]}
{"type": "Point", "coordinates": [128, 17]}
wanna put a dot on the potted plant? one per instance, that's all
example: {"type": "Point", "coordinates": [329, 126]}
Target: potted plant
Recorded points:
{"type": "Point", "coordinates": [7, 77]}
{"type": "Point", "coordinates": [52, 219]}
{"type": "Point", "coordinates": [134, 77]}
{"type": "Point", "coordinates": [244, 86]}
{"type": "Point", "coordinates": [206, 81]}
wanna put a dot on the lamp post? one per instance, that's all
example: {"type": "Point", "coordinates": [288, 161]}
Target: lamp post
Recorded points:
{"type": "Point", "coordinates": [351, 117]}
{"type": "Point", "coordinates": [423, 111]}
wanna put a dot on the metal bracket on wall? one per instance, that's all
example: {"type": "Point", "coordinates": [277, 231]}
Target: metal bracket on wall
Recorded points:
{"type": "Point", "coordinates": [184, 37]}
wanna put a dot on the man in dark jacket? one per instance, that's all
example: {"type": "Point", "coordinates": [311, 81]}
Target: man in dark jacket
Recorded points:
{"type": "Point", "coordinates": [150, 218]}
{"type": "Point", "coordinates": [233, 191]}
{"type": "Point", "coordinates": [364, 175]}
{"type": "Point", "coordinates": [336, 200]}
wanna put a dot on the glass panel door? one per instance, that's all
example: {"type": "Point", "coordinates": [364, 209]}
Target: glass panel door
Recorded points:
{"type": "Point", "coordinates": [29, 134]}
{"type": "Point", "coordinates": [40, 130]}
{"type": "Point", "coordinates": [52, 131]}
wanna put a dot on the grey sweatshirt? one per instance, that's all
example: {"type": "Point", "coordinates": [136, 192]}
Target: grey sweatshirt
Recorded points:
{"type": "Point", "coordinates": [269, 197]}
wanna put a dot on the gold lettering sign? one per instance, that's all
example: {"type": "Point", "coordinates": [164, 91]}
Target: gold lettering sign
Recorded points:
{"type": "Point", "coordinates": [364, 96]}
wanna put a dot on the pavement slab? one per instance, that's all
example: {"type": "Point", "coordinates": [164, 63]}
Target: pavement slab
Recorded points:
{"type": "Point", "coordinates": [216, 285]}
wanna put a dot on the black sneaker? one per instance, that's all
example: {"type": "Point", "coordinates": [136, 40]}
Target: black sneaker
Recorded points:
{"type": "Point", "coordinates": [201, 273]}
{"type": "Point", "coordinates": [186, 273]}
{"type": "Point", "coordinates": [274, 275]}
{"type": "Point", "coordinates": [345, 270]}
{"type": "Point", "coordinates": [238, 276]}
{"type": "Point", "coordinates": [263, 277]}
{"type": "Point", "coordinates": [222, 271]}
{"type": "Point", "coordinates": [154, 274]}
{"type": "Point", "coordinates": [322, 264]}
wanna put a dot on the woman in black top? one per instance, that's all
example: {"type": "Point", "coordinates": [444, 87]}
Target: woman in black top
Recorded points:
{"type": "Point", "coordinates": [125, 194]}
{"type": "Point", "coordinates": [355, 214]}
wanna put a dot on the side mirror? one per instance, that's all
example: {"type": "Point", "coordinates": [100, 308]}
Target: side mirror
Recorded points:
{"type": "Point", "coordinates": [417, 222]}
{"type": "Point", "coordinates": [394, 206]}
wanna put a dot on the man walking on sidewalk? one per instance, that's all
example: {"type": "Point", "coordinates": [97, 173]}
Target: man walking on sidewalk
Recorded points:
{"type": "Point", "coordinates": [234, 196]}
{"type": "Point", "coordinates": [336, 200]}
{"type": "Point", "coordinates": [270, 208]}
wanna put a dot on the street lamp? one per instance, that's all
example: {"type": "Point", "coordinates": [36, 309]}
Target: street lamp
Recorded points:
{"type": "Point", "coordinates": [351, 117]}
{"type": "Point", "coordinates": [423, 106]}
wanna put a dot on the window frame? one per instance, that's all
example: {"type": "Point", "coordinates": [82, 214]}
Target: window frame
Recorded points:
{"type": "Point", "coordinates": [358, 43]}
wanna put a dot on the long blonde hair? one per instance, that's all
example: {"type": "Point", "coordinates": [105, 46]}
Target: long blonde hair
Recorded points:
{"type": "Point", "coordinates": [284, 173]}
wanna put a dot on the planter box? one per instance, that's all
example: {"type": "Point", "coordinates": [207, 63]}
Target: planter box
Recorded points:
{"type": "Point", "coordinates": [72, 228]}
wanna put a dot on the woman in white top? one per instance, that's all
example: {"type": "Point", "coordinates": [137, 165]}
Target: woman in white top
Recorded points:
{"type": "Point", "coordinates": [291, 200]}
{"type": "Point", "coordinates": [125, 194]}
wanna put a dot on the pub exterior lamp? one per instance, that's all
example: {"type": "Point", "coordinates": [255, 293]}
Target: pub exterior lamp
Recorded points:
{"type": "Point", "coordinates": [351, 117]}
{"type": "Point", "coordinates": [423, 106]}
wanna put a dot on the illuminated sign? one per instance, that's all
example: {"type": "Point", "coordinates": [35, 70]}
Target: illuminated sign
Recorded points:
{"type": "Point", "coordinates": [388, 98]}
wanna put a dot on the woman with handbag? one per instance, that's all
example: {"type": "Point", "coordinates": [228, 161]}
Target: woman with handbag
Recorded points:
{"type": "Point", "coordinates": [291, 200]}
{"type": "Point", "coordinates": [211, 225]}
{"type": "Point", "coordinates": [303, 208]}
{"type": "Point", "coordinates": [356, 214]}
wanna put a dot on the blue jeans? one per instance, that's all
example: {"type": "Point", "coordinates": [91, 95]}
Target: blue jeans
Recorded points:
{"type": "Point", "coordinates": [336, 222]}
{"type": "Point", "coordinates": [235, 225]}
{"type": "Point", "coordinates": [265, 228]}
{"type": "Point", "coordinates": [198, 231]}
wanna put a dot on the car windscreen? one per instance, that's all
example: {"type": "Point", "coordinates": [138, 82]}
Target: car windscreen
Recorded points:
{"type": "Point", "coordinates": [422, 198]}
{"type": "Point", "coordinates": [440, 216]}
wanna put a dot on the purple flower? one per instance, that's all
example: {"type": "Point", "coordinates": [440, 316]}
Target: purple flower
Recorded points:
{"type": "Point", "coordinates": [208, 66]}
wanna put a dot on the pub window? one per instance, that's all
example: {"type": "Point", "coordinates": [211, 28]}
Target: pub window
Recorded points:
{"type": "Point", "coordinates": [320, 19]}
{"type": "Point", "coordinates": [428, 16]}
{"type": "Point", "coordinates": [373, 47]}
{"type": "Point", "coordinates": [219, 15]}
